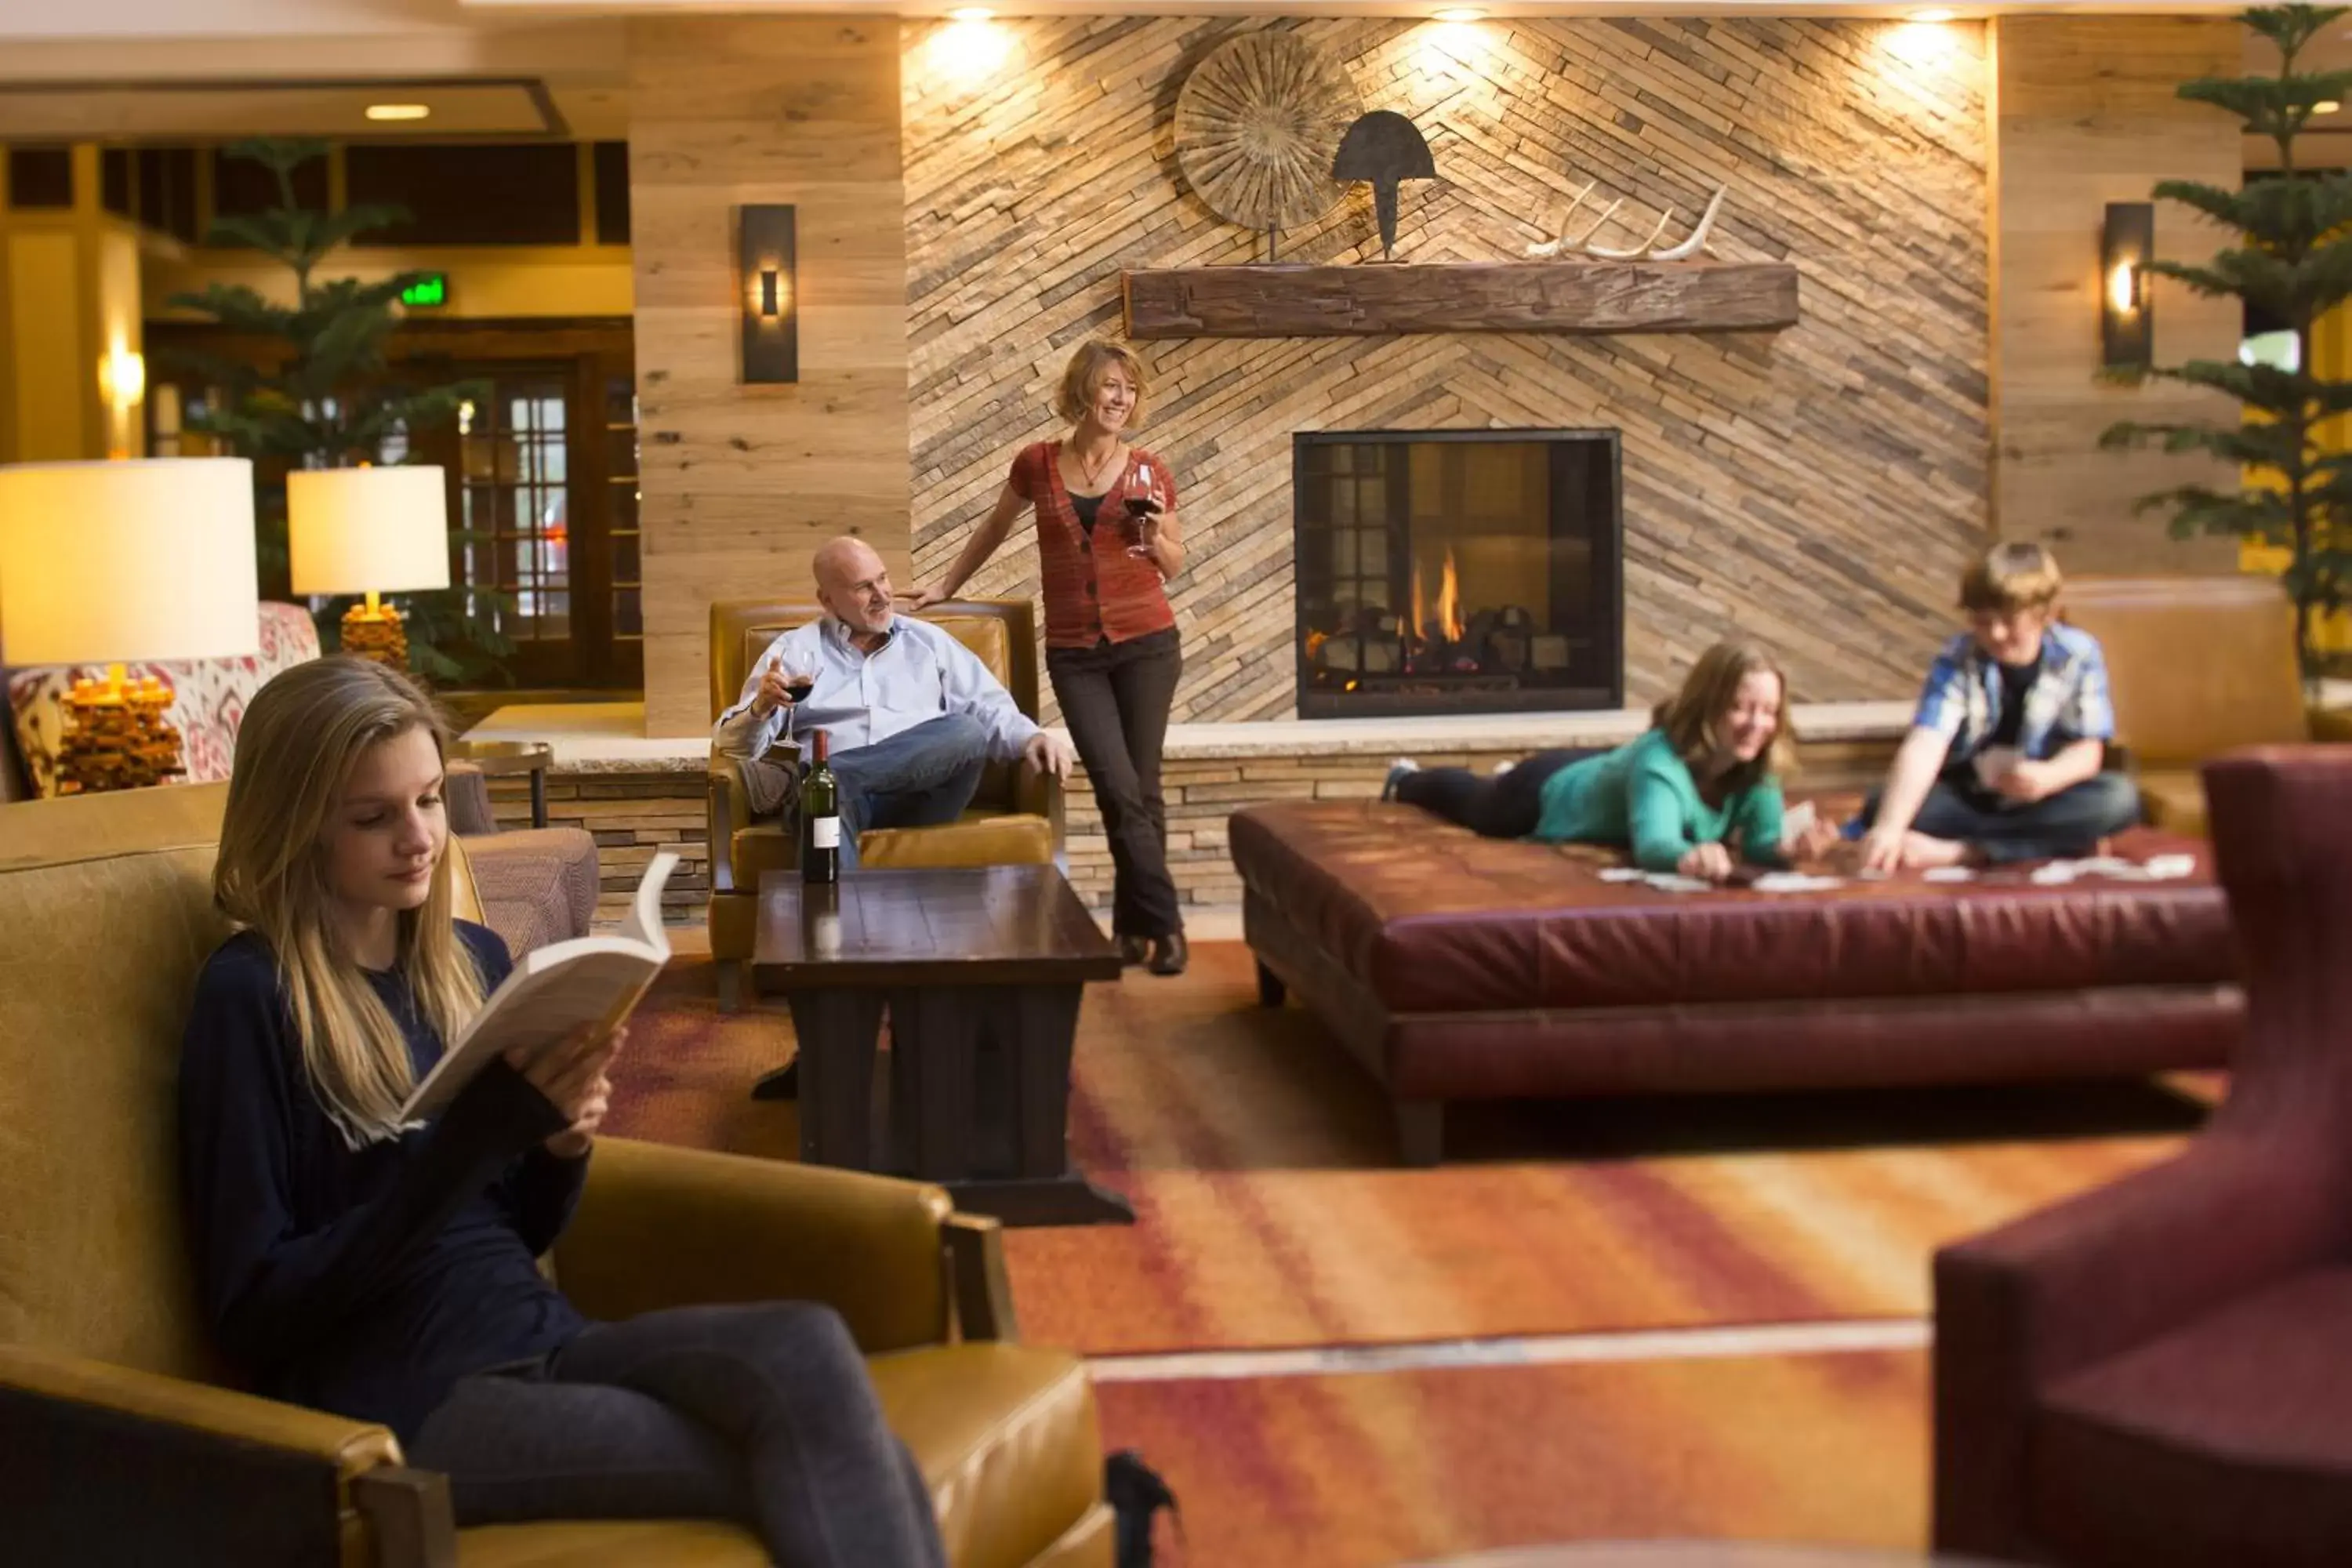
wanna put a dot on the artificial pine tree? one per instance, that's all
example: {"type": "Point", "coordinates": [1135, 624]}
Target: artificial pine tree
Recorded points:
{"type": "Point", "coordinates": [2293, 263]}
{"type": "Point", "coordinates": [332, 401]}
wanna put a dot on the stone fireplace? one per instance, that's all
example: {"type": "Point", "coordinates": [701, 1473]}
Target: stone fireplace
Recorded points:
{"type": "Point", "coordinates": [1457, 572]}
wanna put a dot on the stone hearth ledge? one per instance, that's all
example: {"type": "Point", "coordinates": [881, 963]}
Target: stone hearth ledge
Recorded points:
{"type": "Point", "coordinates": [589, 738]}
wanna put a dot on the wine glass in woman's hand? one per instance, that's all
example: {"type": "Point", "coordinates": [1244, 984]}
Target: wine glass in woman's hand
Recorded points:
{"type": "Point", "coordinates": [1141, 524]}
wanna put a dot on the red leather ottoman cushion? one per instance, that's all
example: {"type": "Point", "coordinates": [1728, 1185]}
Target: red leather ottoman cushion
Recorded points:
{"type": "Point", "coordinates": [2224, 1441]}
{"type": "Point", "coordinates": [1434, 918]}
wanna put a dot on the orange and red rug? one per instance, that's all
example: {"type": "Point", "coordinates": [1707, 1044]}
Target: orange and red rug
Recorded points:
{"type": "Point", "coordinates": [1368, 1469]}
{"type": "Point", "coordinates": [1272, 1211]}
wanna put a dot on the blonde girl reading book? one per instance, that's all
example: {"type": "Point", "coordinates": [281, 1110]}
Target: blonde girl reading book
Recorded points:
{"type": "Point", "coordinates": [387, 1272]}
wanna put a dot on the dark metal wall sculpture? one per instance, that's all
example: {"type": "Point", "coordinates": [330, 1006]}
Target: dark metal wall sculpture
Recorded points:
{"type": "Point", "coordinates": [1384, 147]}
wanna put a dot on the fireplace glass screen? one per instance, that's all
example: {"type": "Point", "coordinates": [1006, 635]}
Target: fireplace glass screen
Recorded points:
{"type": "Point", "coordinates": [1457, 572]}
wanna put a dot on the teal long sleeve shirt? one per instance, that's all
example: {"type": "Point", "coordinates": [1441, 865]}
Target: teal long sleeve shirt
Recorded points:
{"type": "Point", "coordinates": [1642, 796]}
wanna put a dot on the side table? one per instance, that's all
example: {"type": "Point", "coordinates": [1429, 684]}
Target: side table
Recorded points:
{"type": "Point", "coordinates": [506, 758]}
{"type": "Point", "coordinates": [982, 970]}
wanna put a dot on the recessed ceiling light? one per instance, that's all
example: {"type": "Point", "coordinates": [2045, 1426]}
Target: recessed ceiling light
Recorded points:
{"type": "Point", "coordinates": [970, 13]}
{"type": "Point", "coordinates": [1461, 14]}
{"type": "Point", "coordinates": [397, 112]}
{"type": "Point", "coordinates": [1932, 15]}
{"type": "Point", "coordinates": [2326, 106]}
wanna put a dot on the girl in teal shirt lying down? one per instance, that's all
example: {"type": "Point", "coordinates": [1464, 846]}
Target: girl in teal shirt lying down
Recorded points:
{"type": "Point", "coordinates": [1702, 783]}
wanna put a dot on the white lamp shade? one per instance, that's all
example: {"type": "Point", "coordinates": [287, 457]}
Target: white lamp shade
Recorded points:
{"type": "Point", "coordinates": [128, 561]}
{"type": "Point", "coordinates": [368, 530]}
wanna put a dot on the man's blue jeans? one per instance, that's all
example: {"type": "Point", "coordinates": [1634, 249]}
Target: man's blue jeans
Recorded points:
{"type": "Point", "coordinates": [920, 777]}
{"type": "Point", "coordinates": [2063, 826]}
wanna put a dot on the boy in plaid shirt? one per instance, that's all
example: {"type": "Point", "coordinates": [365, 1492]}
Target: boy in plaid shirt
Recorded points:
{"type": "Point", "coordinates": [2006, 756]}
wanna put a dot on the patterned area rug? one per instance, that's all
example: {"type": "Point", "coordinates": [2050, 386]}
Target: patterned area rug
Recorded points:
{"type": "Point", "coordinates": [1377, 1468]}
{"type": "Point", "coordinates": [1272, 1211]}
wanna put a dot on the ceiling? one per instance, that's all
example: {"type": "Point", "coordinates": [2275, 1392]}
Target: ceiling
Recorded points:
{"type": "Point", "coordinates": [494, 69]}
{"type": "Point", "coordinates": [207, 111]}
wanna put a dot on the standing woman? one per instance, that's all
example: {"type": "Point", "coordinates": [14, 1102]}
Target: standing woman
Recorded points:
{"type": "Point", "coordinates": [1107, 542]}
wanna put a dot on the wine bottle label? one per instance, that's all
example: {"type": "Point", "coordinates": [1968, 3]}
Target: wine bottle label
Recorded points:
{"type": "Point", "coordinates": [824, 832]}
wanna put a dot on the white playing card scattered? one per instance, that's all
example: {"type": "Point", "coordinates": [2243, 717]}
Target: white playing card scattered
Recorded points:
{"type": "Point", "coordinates": [1622, 874]}
{"type": "Point", "coordinates": [1947, 874]}
{"type": "Point", "coordinates": [2155, 869]}
{"type": "Point", "coordinates": [1793, 882]}
{"type": "Point", "coordinates": [1667, 882]}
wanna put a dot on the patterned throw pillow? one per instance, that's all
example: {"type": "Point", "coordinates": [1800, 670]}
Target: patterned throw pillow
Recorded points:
{"type": "Point", "coordinates": [209, 698]}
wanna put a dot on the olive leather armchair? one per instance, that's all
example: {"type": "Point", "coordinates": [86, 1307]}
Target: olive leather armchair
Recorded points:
{"type": "Point", "coordinates": [1014, 818]}
{"type": "Point", "coordinates": [125, 1441]}
{"type": "Point", "coordinates": [2198, 667]}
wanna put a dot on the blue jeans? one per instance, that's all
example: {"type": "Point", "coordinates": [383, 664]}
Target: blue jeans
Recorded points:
{"type": "Point", "coordinates": [921, 777]}
{"type": "Point", "coordinates": [2064, 827]}
{"type": "Point", "coordinates": [763, 1413]}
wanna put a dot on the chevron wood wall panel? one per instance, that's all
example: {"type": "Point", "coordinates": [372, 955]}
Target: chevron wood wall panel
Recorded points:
{"type": "Point", "coordinates": [1818, 488]}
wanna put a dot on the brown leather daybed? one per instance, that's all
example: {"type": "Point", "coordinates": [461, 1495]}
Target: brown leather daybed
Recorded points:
{"type": "Point", "coordinates": [1457, 967]}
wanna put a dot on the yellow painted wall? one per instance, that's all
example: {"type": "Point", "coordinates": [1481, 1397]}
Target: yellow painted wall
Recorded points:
{"type": "Point", "coordinates": [44, 348]}
{"type": "Point", "coordinates": [2331, 358]}
{"type": "Point", "coordinates": [70, 281]}
{"type": "Point", "coordinates": [485, 281]}
{"type": "Point", "coordinates": [121, 313]}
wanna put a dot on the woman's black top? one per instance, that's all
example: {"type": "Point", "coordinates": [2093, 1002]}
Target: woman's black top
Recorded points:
{"type": "Point", "coordinates": [364, 1282]}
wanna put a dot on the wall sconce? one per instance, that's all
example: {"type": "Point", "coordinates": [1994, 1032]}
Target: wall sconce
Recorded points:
{"type": "Point", "coordinates": [2126, 315]}
{"type": "Point", "coordinates": [772, 333]}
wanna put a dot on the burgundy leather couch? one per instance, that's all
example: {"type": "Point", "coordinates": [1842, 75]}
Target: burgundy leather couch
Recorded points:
{"type": "Point", "coordinates": [1458, 968]}
{"type": "Point", "coordinates": [2159, 1374]}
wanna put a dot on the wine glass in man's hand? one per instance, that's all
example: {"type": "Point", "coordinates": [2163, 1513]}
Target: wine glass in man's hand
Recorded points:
{"type": "Point", "coordinates": [784, 683]}
{"type": "Point", "coordinates": [800, 676]}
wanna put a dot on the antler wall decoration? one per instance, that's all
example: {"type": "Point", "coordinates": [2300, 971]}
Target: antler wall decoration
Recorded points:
{"type": "Point", "coordinates": [1648, 250]}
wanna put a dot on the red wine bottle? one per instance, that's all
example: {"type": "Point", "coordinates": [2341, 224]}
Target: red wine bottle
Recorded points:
{"type": "Point", "coordinates": [820, 816]}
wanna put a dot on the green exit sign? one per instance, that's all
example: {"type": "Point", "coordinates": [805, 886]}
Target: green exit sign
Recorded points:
{"type": "Point", "coordinates": [427, 293]}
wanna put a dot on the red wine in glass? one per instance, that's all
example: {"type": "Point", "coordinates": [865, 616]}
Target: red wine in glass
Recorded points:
{"type": "Point", "coordinates": [798, 687]}
{"type": "Point", "coordinates": [1140, 505]}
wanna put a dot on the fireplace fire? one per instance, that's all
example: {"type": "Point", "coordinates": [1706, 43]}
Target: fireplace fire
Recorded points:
{"type": "Point", "coordinates": [1457, 571]}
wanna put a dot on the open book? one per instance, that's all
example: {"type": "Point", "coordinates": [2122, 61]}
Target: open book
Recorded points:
{"type": "Point", "coordinates": [555, 991]}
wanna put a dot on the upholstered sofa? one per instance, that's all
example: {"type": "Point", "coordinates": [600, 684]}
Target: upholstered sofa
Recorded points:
{"type": "Point", "coordinates": [1014, 819]}
{"type": "Point", "coordinates": [2200, 666]}
{"type": "Point", "coordinates": [124, 1444]}
{"type": "Point", "coordinates": [537, 885]}
{"type": "Point", "coordinates": [2157, 1374]}
{"type": "Point", "coordinates": [1459, 968]}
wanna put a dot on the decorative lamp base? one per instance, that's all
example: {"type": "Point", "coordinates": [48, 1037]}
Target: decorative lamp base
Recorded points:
{"type": "Point", "coordinates": [116, 737]}
{"type": "Point", "coordinates": [377, 634]}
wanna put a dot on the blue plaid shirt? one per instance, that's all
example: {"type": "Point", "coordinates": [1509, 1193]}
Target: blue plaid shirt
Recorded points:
{"type": "Point", "coordinates": [2067, 701]}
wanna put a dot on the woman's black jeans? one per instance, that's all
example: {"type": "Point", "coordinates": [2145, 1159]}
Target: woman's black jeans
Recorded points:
{"type": "Point", "coordinates": [1114, 696]}
{"type": "Point", "coordinates": [1504, 808]}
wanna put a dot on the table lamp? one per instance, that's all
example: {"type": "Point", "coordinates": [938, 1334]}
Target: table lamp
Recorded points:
{"type": "Point", "coordinates": [373, 531]}
{"type": "Point", "coordinates": [112, 563]}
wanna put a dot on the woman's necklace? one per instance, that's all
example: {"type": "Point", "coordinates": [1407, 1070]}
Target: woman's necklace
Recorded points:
{"type": "Point", "coordinates": [1093, 473]}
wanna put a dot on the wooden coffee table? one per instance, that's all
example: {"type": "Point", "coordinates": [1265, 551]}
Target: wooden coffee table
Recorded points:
{"type": "Point", "coordinates": [982, 971]}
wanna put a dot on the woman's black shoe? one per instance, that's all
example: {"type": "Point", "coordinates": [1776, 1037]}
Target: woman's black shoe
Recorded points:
{"type": "Point", "coordinates": [1169, 953]}
{"type": "Point", "coordinates": [1133, 950]}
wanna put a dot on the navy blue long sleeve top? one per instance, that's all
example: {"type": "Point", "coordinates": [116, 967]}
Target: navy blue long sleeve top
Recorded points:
{"type": "Point", "coordinates": [364, 1282]}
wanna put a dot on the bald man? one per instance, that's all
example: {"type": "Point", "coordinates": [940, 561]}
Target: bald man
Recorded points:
{"type": "Point", "coordinates": [912, 716]}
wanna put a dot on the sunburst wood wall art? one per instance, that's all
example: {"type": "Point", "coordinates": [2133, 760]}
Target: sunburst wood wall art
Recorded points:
{"type": "Point", "coordinates": [1256, 125]}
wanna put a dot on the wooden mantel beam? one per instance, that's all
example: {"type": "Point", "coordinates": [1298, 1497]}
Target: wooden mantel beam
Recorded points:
{"type": "Point", "coordinates": [1584, 296]}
